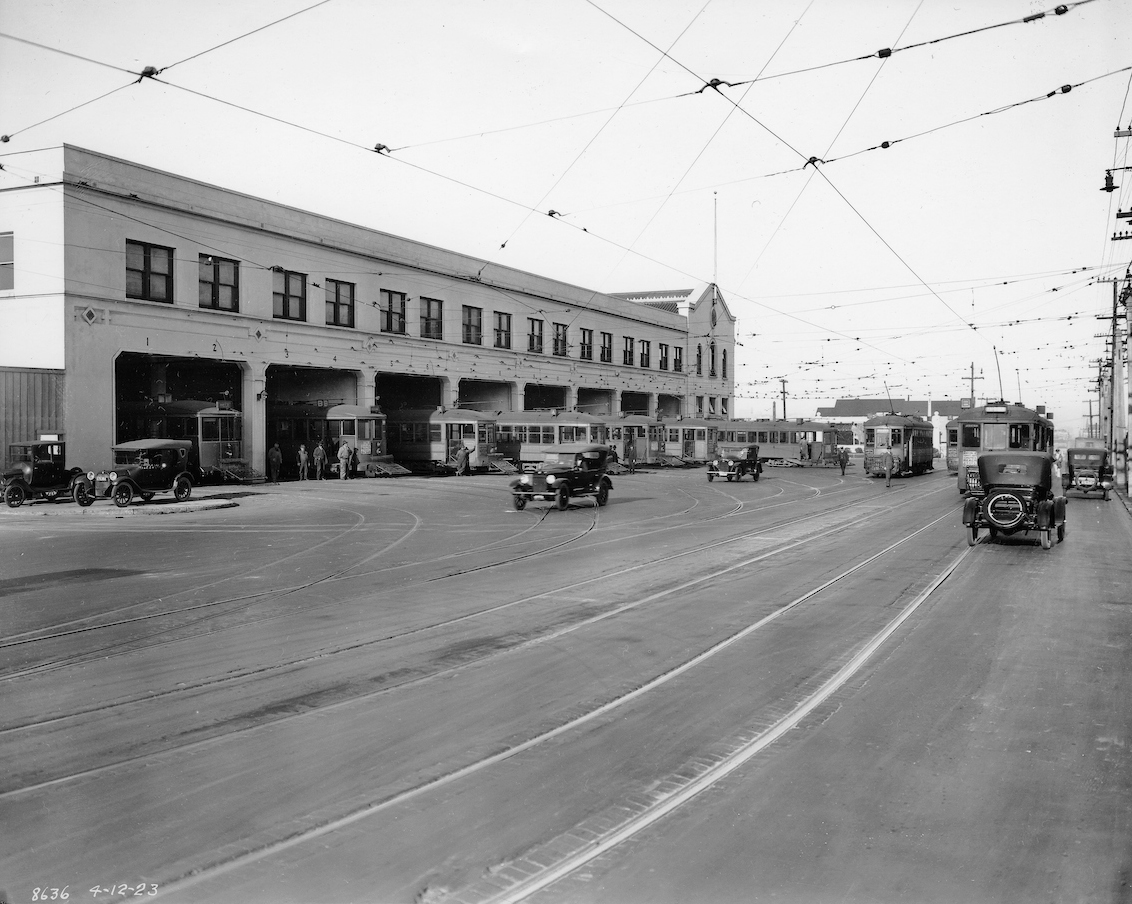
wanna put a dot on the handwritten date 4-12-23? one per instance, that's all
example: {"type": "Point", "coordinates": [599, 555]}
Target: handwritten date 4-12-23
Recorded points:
{"type": "Point", "coordinates": [125, 889]}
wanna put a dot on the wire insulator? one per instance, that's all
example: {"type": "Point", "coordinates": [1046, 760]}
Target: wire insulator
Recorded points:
{"type": "Point", "coordinates": [885, 53]}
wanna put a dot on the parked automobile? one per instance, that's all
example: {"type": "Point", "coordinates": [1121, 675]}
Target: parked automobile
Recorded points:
{"type": "Point", "coordinates": [1087, 471]}
{"type": "Point", "coordinates": [143, 468]}
{"type": "Point", "coordinates": [734, 465]}
{"type": "Point", "coordinates": [1012, 492]}
{"type": "Point", "coordinates": [38, 470]}
{"type": "Point", "coordinates": [566, 472]}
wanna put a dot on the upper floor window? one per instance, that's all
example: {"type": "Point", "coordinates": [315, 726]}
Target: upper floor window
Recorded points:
{"type": "Point", "coordinates": [560, 343]}
{"type": "Point", "coordinates": [339, 303]}
{"type": "Point", "coordinates": [7, 261]}
{"type": "Point", "coordinates": [711, 359]}
{"type": "Point", "coordinates": [627, 351]}
{"type": "Point", "coordinates": [502, 330]}
{"type": "Point", "coordinates": [723, 364]}
{"type": "Point", "coordinates": [662, 352]}
{"type": "Point", "coordinates": [607, 348]}
{"type": "Point", "coordinates": [473, 325]}
{"type": "Point", "coordinates": [724, 406]}
{"type": "Point", "coordinates": [678, 359]}
{"type": "Point", "coordinates": [699, 360]}
{"type": "Point", "coordinates": [289, 297]}
{"type": "Point", "coordinates": [534, 334]}
{"type": "Point", "coordinates": [699, 406]}
{"type": "Point", "coordinates": [586, 350]}
{"type": "Point", "coordinates": [646, 353]}
{"type": "Point", "coordinates": [711, 405]}
{"type": "Point", "coordinates": [149, 272]}
{"type": "Point", "coordinates": [219, 283]}
{"type": "Point", "coordinates": [432, 318]}
{"type": "Point", "coordinates": [392, 311]}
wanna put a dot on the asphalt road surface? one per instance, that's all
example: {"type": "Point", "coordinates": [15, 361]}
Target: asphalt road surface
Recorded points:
{"type": "Point", "coordinates": [805, 689]}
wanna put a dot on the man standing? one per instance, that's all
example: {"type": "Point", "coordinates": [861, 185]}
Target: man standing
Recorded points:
{"type": "Point", "coordinates": [274, 460]}
{"type": "Point", "coordinates": [343, 459]}
{"type": "Point", "coordinates": [302, 462]}
{"type": "Point", "coordinates": [842, 459]}
{"type": "Point", "coordinates": [888, 463]}
{"type": "Point", "coordinates": [319, 460]}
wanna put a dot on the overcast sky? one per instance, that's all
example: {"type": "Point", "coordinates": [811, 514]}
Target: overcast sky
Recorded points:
{"type": "Point", "coordinates": [981, 227]}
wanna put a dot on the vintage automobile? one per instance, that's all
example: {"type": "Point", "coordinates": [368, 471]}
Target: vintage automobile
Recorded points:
{"type": "Point", "coordinates": [566, 471]}
{"type": "Point", "coordinates": [733, 465]}
{"type": "Point", "coordinates": [143, 468]}
{"type": "Point", "coordinates": [38, 470]}
{"type": "Point", "coordinates": [1087, 471]}
{"type": "Point", "coordinates": [1012, 492]}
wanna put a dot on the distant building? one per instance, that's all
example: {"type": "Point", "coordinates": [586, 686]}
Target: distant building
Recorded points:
{"type": "Point", "coordinates": [125, 289]}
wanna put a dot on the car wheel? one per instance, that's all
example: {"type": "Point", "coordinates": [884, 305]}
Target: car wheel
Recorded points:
{"type": "Point", "coordinates": [15, 495]}
{"type": "Point", "coordinates": [1047, 539]}
{"type": "Point", "coordinates": [519, 501]}
{"type": "Point", "coordinates": [992, 532]}
{"type": "Point", "coordinates": [81, 495]}
{"type": "Point", "coordinates": [146, 497]}
{"type": "Point", "coordinates": [182, 488]}
{"type": "Point", "coordinates": [973, 535]}
{"type": "Point", "coordinates": [123, 495]}
{"type": "Point", "coordinates": [602, 494]}
{"type": "Point", "coordinates": [562, 498]}
{"type": "Point", "coordinates": [729, 478]}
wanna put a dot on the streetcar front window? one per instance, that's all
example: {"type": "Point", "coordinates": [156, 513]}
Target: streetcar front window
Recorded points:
{"type": "Point", "coordinates": [994, 436]}
{"type": "Point", "coordinates": [971, 436]}
{"type": "Point", "coordinates": [897, 436]}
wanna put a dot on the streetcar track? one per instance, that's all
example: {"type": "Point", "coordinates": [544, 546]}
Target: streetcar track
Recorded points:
{"type": "Point", "coordinates": [545, 874]}
{"type": "Point", "coordinates": [137, 643]}
{"type": "Point", "coordinates": [495, 653]}
{"type": "Point", "coordinates": [232, 678]}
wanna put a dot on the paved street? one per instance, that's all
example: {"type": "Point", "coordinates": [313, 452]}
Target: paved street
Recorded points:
{"type": "Point", "coordinates": [804, 689]}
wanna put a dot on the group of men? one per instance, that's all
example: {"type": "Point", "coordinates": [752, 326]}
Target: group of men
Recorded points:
{"type": "Point", "coordinates": [347, 458]}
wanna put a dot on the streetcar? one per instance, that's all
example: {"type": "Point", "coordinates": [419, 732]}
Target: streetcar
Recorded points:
{"type": "Point", "coordinates": [784, 443]}
{"type": "Point", "coordinates": [910, 438]}
{"type": "Point", "coordinates": [648, 436]}
{"type": "Point", "coordinates": [215, 428]}
{"type": "Point", "coordinates": [694, 438]}
{"type": "Point", "coordinates": [295, 424]}
{"type": "Point", "coordinates": [952, 452]}
{"type": "Point", "coordinates": [525, 437]}
{"type": "Point", "coordinates": [999, 426]}
{"type": "Point", "coordinates": [426, 440]}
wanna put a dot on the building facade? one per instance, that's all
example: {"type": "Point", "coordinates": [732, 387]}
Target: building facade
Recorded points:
{"type": "Point", "coordinates": [144, 289]}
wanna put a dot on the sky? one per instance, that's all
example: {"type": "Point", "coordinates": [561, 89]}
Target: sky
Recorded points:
{"type": "Point", "coordinates": [978, 238]}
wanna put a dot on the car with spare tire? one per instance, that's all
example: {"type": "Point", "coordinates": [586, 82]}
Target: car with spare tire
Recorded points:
{"type": "Point", "coordinates": [1013, 493]}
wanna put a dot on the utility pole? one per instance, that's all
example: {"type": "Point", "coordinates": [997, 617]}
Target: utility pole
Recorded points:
{"type": "Point", "coordinates": [973, 378]}
{"type": "Point", "coordinates": [783, 398]}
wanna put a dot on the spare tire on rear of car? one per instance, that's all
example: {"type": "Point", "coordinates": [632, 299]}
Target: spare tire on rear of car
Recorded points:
{"type": "Point", "coordinates": [1005, 509]}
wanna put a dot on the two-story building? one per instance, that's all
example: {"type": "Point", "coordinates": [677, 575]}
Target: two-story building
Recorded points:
{"type": "Point", "coordinates": [124, 289]}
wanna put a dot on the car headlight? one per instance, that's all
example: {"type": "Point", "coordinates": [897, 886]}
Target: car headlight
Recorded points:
{"type": "Point", "coordinates": [550, 480]}
{"type": "Point", "coordinates": [525, 480]}
{"type": "Point", "coordinates": [90, 475]}
{"type": "Point", "coordinates": [113, 475]}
